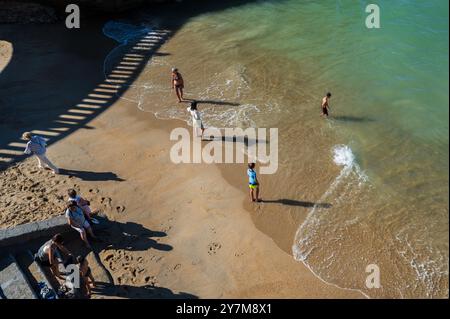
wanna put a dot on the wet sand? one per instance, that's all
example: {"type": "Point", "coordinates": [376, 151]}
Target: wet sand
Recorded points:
{"type": "Point", "coordinates": [186, 228]}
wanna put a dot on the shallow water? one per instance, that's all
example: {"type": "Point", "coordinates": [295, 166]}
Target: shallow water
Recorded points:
{"type": "Point", "coordinates": [380, 162]}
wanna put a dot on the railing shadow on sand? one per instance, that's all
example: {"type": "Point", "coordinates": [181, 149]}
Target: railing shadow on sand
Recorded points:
{"type": "Point", "coordinates": [54, 121]}
{"type": "Point", "coordinates": [126, 69]}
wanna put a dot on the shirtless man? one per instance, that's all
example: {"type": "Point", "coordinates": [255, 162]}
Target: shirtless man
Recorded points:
{"type": "Point", "coordinates": [325, 104]}
{"type": "Point", "coordinates": [177, 84]}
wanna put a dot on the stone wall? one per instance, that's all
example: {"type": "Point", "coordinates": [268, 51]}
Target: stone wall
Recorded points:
{"type": "Point", "coordinates": [103, 5]}
{"type": "Point", "coordinates": [49, 11]}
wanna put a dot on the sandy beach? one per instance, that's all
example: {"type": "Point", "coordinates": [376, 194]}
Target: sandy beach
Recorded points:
{"type": "Point", "coordinates": [185, 227]}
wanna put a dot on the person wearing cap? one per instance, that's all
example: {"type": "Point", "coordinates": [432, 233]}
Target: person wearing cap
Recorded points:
{"type": "Point", "coordinates": [177, 84]}
{"type": "Point", "coordinates": [37, 146]}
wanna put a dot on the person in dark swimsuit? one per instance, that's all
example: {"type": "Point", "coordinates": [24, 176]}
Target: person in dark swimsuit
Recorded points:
{"type": "Point", "coordinates": [86, 274]}
{"type": "Point", "coordinates": [325, 104]}
{"type": "Point", "coordinates": [177, 84]}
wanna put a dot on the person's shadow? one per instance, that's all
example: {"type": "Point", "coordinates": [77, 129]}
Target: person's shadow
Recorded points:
{"type": "Point", "coordinates": [142, 292]}
{"type": "Point", "coordinates": [127, 236]}
{"type": "Point", "coordinates": [91, 176]}
{"type": "Point", "coordinates": [291, 202]}
{"type": "Point", "coordinates": [214, 102]}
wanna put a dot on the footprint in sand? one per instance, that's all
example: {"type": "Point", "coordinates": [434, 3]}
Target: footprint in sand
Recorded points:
{"type": "Point", "coordinates": [213, 248]}
{"type": "Point", "coordinates": [106, 202]}
{"type": "Point", "coordinates": [120, 209]}
{"type": "Point", "coordinates": [93, 191]}
{"type": "Point", "coordinates": [150, 280]}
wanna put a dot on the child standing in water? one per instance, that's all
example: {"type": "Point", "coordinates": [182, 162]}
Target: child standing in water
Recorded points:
{"type": "Point", "coordinates": [253, 183]}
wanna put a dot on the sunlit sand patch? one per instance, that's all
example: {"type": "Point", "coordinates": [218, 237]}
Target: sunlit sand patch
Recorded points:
{"type": "Point", "coordinates": [18, 145]}
{"type": "Point", "coordinates": [10, 152]}
{"type": "Point", "coordinates": [72, 117]}
{"type": "Point", "coordinates": [88, 106]}
{"type": "Point", "coordinates": [6, 52]}
{"type": "Point", "coordinates": [44, 133]}
{"type": "Point", "coordinates": [80, 111]}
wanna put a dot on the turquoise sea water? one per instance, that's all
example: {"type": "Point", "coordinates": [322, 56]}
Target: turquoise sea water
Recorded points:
{"type": "Point", "coordinates": [387, 136]}
{"type": "Point", "coordinates": [390, 106]}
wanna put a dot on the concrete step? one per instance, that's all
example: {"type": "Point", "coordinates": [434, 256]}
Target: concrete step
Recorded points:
{"type": "Point", "coordinates": [13, 282]}
{"type": "Point", "coordinates": [35, 273]}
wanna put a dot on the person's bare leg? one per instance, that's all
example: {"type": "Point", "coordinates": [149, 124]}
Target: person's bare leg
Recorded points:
{"type": "Point", "coordinates": [84, 239]}
{"type": "Point", "coordinates": [203, 130]}
{"type": "Point", "coordinates": [181, 93]}
{"type": "Point", "coordinates": [87, 287]}
{"type": "Point", "coordinates": [251, 195]}
{"type": "Point", "coordinates": [257, 194]}
{"type": "Point", "coordinates": [91, 233]}
{"type": "Point", "coordinates": [177, 90]}
{"type": "Point", "coordinates": [87, 211]}
{"type": "Point", "coordinates": [54, 270]}
{"type": "Point", "coordinates": [92, 279]}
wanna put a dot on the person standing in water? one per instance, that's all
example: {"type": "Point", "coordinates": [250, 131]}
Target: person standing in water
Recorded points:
{"type": "Point", "coordinates": [177, 84]}
{"type": "Point", "coordinates": [196, 117]}
{"type": "Point", "coordinates": [325, 104]}
{"type": "Point", "coordinates": [253, 183]}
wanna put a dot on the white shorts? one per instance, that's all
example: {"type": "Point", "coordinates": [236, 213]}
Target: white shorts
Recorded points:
{"type": "Point", "coordinates": [81, 230]}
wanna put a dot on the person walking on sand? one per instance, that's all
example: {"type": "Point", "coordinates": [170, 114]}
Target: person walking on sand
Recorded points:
{"type": "Point", "coordinates": [325, 104]}
{"type": "Point", "coordinates": [77, 221]}
{"type": "Point", "coordinates": [83, 204]}
{"type": "Point", "coordinates": [196, 118]}
{"type": "Point", "coordinates": [37, 146]}
{"type": "Point", "coordinates": [253, 183]}
{"type": "Point", "coordinates": [177, 84]}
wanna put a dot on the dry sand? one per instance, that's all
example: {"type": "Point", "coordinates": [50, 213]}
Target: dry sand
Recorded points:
{"type": "Point", "coordinates": [182, 228]}
{"type": "Point", "coordinates": [5, 54]}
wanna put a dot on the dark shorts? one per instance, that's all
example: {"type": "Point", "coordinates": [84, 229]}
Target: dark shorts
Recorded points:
{"type": "Point", "coordinates": [179, 86]}
{"type": "Point", "coordinates": [325, 111]}
{"type": "Point", "coordinates": [45, 263]}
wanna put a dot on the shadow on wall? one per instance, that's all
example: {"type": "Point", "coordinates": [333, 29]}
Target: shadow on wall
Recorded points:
{"type": "Point", "coordinates": [54, 83]}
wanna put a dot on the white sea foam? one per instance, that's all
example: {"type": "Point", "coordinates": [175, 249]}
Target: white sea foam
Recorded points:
{"type": "Point", "coordinates": [302, 248]}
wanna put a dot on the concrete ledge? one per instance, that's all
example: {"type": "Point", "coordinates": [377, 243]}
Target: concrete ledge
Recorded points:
{"type": "Point", "coordinates": [23, 233]}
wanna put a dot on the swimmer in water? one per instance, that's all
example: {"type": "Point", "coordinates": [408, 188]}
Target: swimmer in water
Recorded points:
{"type": "Point", "coordinates": [177, 84]}
{"type": "Point", "coordinates": [325, 104]}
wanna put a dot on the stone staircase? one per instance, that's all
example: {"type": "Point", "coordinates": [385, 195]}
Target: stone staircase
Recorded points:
{"type": "Point", "coordinates": [20, 276]}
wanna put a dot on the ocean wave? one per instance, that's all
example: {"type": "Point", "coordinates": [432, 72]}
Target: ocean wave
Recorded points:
{"type": "Point", "coordinates": [338, 243]}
